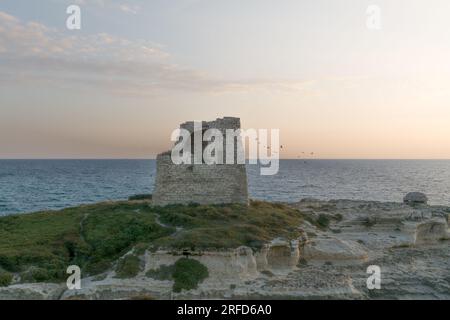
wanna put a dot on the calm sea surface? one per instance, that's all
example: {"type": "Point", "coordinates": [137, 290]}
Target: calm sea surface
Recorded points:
{"type": "Point", "coordinates": [32, 185]}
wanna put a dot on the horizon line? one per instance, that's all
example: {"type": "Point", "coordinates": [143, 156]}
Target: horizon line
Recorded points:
{"type": "Point", "coordinates": [300, 159]}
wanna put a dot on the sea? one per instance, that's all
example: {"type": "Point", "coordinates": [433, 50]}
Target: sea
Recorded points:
{"type": "Point", "coordinates": [35, 185]}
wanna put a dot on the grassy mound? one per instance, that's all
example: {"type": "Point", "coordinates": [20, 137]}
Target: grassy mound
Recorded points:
{"type": "Point", "coordinates": [40, 246]}
{"type": "Point", "coordinates": [228, 226]}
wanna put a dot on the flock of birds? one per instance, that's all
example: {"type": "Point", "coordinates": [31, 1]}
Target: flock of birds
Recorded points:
{"type": "Point", "coordinates": [303, 154]}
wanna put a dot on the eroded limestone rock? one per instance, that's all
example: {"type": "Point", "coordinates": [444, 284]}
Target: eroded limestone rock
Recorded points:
{"type": "Point", "coordinates": [334, 250]}
{"type": "Point", "coordinates": [432, 230]}
{"type": "Point", "coordinates": [32, 291]}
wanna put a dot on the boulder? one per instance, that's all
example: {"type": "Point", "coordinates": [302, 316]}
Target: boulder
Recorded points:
{"type": "Point", "coordinates": [415, 198]}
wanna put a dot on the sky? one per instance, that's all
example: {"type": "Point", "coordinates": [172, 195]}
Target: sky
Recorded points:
{"type": "Point", "coordinates": [120, 85]}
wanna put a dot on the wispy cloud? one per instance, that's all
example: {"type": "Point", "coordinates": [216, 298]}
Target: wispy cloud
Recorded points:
{"type": "Point", "coordinates": [32, 52]}
{"type": "Point", "coordinates": [126, 7]}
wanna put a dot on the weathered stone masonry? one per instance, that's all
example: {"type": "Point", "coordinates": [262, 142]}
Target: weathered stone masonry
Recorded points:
{"type": "Point", "coordinates": [201, 183]}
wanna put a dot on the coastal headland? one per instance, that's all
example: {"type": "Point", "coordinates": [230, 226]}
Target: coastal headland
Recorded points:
{"type": "Point", "coordinates": [309, 249]}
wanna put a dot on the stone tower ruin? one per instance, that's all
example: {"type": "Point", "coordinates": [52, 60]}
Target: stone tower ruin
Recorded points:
{"type": "Point", "coordinates": [201, 183]}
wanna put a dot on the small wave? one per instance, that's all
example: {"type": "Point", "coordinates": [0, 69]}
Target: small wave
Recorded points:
{"type": "Point", "coordinates": [4, 175]}
{"type": "Point", "coordinates": [310, 186]}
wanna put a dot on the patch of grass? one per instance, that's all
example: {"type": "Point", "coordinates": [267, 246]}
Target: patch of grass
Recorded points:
{"type": "Point", "coordinates": [36, 274]}
{"type": "Point", "coordinates": [128, 266]}
{"type": "Point", "coordinates": [229, 226]}
{"type": "Point", "coordinates": [91, 237]}
{"type": "Point", "coordinates": [5, 278]}
{"type": "Point", "coordinates": [40, 246]}
{"type": "Point", "coordinates": [188, 273]}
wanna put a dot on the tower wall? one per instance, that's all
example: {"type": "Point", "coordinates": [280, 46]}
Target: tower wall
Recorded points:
{"type": "Point", "coordinates": [201, 183]}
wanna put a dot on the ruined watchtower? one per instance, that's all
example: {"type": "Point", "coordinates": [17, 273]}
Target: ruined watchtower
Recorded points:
{"type": "Point", "coordinates": [201, 183]}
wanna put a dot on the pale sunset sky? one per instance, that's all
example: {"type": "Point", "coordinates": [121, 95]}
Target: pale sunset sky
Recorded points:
{"type": "Point", "coordinates": [136, 69]}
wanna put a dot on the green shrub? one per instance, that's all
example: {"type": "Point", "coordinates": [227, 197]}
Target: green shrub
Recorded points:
{"type": "Point", "coordinates": [128, 267]}
{"type": "Point", "coordinates": [9, 263]}
{"type": "Point", "coordinates": [97, 266]}
{"type": "Point", "coordinates": [5, 278]}
{"type": "Point", "coordinates": [35, 274]}
{"type": "Point", "coordinates": [323, 221]}
{"type": "Point", "coordinates": [49, 271]}
{"type": "Point", "coordinates": [140, 197]}
{"type": "Point", "coordinates": [188, 273]}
